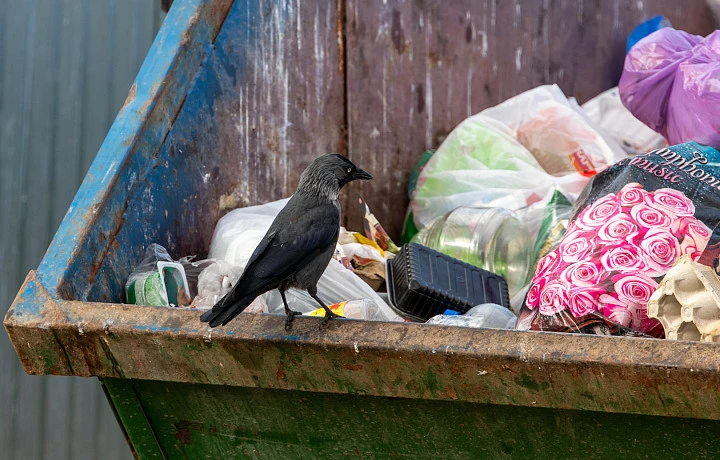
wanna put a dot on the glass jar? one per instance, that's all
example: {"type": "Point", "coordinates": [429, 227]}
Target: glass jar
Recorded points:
{"type": "Point", "coordinates": [494, 239]}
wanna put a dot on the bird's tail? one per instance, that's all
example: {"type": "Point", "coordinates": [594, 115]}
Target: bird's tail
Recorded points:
{"type": "Point", "coordinates": [227, 308]}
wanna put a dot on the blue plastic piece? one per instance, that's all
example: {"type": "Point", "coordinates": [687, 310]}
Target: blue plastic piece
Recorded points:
{"type": "Point", "coordinates": [646, 28]}
{"type": "Point", "coordinates": [451, 313]}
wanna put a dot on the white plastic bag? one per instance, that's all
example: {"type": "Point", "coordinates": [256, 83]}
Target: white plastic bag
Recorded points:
{"type": "Point", "coordinates": [363, 251]}
{"type": "Point", "coordinates": [607, 110]}
{"type": "Point", "coordinates": [483, 164]}
{"type": "Point", "coordinates": [238, 233]}
{"type": "Point", "coordinates": [557, 132]}
{"type": "Point", "coordinates": [216, 280]}
{"type": "Point", "coordinates": [337, 284]}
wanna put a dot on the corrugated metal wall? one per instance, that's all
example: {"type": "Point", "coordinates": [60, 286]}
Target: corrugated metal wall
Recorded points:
{"type": "Point", "coordinates": [65, 70]}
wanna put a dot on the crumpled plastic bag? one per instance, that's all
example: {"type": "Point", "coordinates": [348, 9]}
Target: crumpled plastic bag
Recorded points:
{"type": "Point", "coordinates": [671, 82]}
{"type": "Point", "coordinates": [336, 285]}
{"type": "Point", "coordinates": [365, 309]}
{"type": "Point", "coordinates": [215, 281]}
{"type": "Point", "coordinates": [513, 155]}
{"type": "Point", "coordinates": [646, 28]}
{"type": "Point", "coordinates": [487, 315]}
{"type": "Point", "coordinates": [607, 111]}
{"type": "Point", "coordinates": [238, 233]}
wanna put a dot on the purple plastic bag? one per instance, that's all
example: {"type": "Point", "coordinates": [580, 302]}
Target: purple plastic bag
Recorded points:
{"type": "Point", "coordinates": [671, 82]}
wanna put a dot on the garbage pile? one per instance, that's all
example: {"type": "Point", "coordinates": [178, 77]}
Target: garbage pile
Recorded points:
{"type": "Point", "coordinates": [536, 214]}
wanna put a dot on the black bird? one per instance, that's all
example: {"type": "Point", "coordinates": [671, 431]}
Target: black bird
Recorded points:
{"type": "Point", "coordinates": [299, 244]}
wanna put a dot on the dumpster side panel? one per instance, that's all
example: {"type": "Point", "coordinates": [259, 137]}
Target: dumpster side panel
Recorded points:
{"type": "Point", "coordinates": [267, 98]}
{"type": "Point", "coordinates": [418, 68]}
{"type": "Point", "coordinates": [207, 421]}
{"type": "Point", "coordinates": [266, 101]}
{"type": "Point", "coordinates": [559, 371]}
{"type": "Point", "coordinates": [89, 230]}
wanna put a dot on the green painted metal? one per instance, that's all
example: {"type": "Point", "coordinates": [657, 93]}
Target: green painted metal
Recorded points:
{"type": "Point", "coordinates": [213, 421]}
{"type": "Point", "coordinates": [415, 361]}
{"type": "Point", "coordinates": [132, 418]}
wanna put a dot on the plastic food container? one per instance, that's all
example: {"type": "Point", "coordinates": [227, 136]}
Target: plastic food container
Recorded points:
{"type": "Point", "coordinates": [423, 283]}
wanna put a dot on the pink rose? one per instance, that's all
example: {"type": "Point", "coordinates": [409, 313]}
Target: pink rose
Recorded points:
{"type": "Point", "coordinates": [624, 259]}
{"type": "Point", "coordinates": [688, 247]}
{"type": "Point", "coordinates": [660, 250]}
{"type": "Point", "coordinates": [694, 236]}
{"type": "Point", "coordinates": [553, 297]}
{"type": "Point", "coordinates": [586, 273]}
{"type": "Point", "coordinates": [547, 264]}
{"type": "Point", "coordinates": [619, 228]}
{"type": "Point", "coordinates": [576, 246]}
{"type": "Point", "coordinates": [631, 194]}
{"type": "Point", "coordinates": [634, 288]}
{"type": "Point", "coordinates": [647, 216]}
{"type": "Point", "coordinates": [595, 215]}
{"type": "Point", "coordinates": [640, 320]}
{"type": "Point", "coordinates": [615, 310]}
{"type": "Point", "coordinates": [700, 232]}
{"type": "Point", "coordinates": [583, 301]}
{"type": "Point", "coordinates": [673, 202]}
{"type": "Point", "coordinates": [533, 295]}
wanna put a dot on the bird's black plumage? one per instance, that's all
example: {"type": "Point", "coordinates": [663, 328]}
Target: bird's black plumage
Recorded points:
{"type": "Point", "coordinates": [299, 244]}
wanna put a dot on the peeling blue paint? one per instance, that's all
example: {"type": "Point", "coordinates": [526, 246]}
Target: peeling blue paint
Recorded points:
{"type": "Point", "coordinates": [31, 304]}
{"type": "Point", "coordinates": [86, 234]}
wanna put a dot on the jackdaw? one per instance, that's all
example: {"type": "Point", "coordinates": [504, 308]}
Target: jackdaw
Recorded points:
{"type": "Point", "coordinates": [299, 244]}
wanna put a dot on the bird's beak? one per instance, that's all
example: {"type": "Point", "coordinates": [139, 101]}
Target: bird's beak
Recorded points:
{"type": "Point", "coordinates": [359, 174]}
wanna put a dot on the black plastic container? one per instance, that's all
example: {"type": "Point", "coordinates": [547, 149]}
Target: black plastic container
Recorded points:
{"type": "Point", "coordinates": [423, 283]}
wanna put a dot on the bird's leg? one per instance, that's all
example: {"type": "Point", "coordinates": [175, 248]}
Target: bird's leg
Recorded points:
{"type": "Point", "coordinates": [290, 314]}
{"type": "Point", "coordinates": [328, 313]}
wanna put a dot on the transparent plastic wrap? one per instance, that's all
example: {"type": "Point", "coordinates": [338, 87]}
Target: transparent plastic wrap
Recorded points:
{"type": "Point", "coordinates": [670, 83]}
{"type": "Point", "coordinates": [337, 284]}
{"type": "Point", "coordinates": [487, 315]}
{"type": "Point", "coordinates": [633, 222]}
{"type": "Point", "coordinates": [158, 280]}
{"type": "Point", "coordinates": [365, 309]}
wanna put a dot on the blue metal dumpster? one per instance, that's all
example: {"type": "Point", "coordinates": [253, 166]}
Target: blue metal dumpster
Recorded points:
{"type": "Point", "coordinates": [233, 100]}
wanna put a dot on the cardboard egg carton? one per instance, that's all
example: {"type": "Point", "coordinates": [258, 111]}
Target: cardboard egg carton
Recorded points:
{"type": "Point", "coordinates": [687, 302]}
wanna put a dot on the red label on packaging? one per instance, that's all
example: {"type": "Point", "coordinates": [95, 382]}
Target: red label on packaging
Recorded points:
{"type": "Point", "coordinates": [582, 163]}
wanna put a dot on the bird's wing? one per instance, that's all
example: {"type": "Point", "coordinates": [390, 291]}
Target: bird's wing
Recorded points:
{"type": "Point", "coordinates": [293, 240]}
{"type": "Point", "coordinates": [297, 242]}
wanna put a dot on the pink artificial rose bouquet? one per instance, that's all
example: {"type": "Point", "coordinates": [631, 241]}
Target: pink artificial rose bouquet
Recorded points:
{"type": "Point", "coordinates": [612, 254]}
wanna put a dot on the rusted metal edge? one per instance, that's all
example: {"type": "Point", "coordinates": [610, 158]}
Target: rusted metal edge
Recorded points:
{"type": "Point", "coordinates": [562, 371]}
{"type": "Point", "coordinates": [155, 98]}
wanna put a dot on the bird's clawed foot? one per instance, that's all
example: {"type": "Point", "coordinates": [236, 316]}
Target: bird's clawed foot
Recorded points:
{"type": "Point", "coordinates": [328, 314]}
{"type": "Point", "coordinates": [290, 317]}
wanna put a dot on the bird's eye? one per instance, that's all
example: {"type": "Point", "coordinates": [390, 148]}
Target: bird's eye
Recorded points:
{"type": "Point", "coordinates": [349, 170]}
